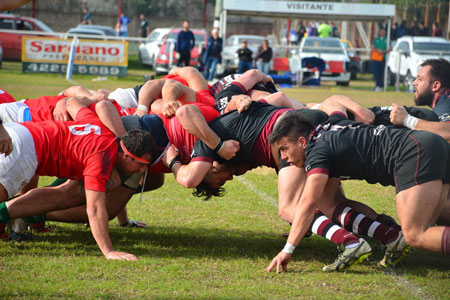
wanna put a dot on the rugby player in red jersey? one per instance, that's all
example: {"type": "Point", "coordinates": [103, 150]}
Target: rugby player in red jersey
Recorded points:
{"type": "Point", "coordinates": [81, 149]}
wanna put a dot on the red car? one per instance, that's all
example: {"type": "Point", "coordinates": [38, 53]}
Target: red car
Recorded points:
{"type": "Point", "coordinates": [12, 42]}
{"type": "Point", "coordinates": [163, 57]}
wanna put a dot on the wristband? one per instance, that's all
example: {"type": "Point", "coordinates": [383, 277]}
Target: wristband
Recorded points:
{"type": "Point", "coordinates": [174, 161]}
{"type": "Point", "coordinates": [143, 107]}
{"type": "Point", "coordinates": [288, 248]}
{"type": "Point", "coordinates": [410, 122]}
{"type": "Point", "coordinates": [219, 146]}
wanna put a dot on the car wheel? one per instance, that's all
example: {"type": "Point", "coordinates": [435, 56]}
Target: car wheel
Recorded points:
{"type": "Point", "coordinates": [343, 83]}
{"type": "Point", "coordinates": [408, 80]}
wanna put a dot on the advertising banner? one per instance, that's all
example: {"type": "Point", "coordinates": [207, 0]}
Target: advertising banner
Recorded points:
{"type": "Point", "coordinates": [92, 57]}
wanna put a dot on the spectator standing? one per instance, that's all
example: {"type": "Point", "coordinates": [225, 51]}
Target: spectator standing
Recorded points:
{"type": "Point", "coordinates": [324, 30]}
{"type": "Point", "coordinates": [245, 58]}
{"type": "Point", "coordinates": [264, 57]}
{"type": "Point", "coordinates": [436, 31]}
{"type": "Point", "coordinates": [377, 59]}
{"type": "Point", "coordinates": [86, 17]}
{"type": "Point", "coordinates": [122, 25]}
{"type": "Point", "coordinates": [423, 31]}
{"type": "Point", "coordinates": [334, 30]}
{"type": "Point", "coordinates": [212, 55]}
{"type": "Point", "coordinates": [402, 29]}
{"type": "Point", "coordinates": [145, 27]}
{"type": "Point", "coordinates": [293, 37]}
{"type": "Point", "coordinates": [301, 32]}
{"type": "Point", "coordinates": [184, 45]}
{"type": "Point", "coordinates": [394, 31]}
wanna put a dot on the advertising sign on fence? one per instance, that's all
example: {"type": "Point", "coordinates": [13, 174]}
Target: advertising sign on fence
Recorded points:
{"type": "Point", "coordinates": [92, 57]}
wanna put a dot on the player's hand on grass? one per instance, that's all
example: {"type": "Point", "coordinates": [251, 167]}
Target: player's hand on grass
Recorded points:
{"type": "Point", "coordinates": [364, 116]}
{"type": "Point", "coordinates": [170, 108]}
{"type": "Point", "coordinates": [229, 149]}
{"type": "Point", "coordinates": [60, 112]}
{"type": "Point", "coordinates": [117, 255]}
{"type": "Point", "coordinates": [280, 261]}
{"type": "Point", "coordinates": [5, 141]}
{"type": "Point", "coordinates": [398, 114]}
{"type": "Point", "coordinates": [134, 223]}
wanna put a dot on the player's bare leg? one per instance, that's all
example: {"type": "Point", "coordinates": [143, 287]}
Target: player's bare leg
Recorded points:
{"type": "Point", "coordinates": [416, 207]}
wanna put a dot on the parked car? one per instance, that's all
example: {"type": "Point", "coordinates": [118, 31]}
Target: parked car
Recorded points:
{"type": "Point", "coordinates": [162, 64]}
{"type": "Point", "coordinates": [12, 42]}
{"type": "Point", "coordinates": [354, 65]}
{"type": "Point", "coordinates": [149, 49]}
{"type": "Point", "coordinates": [87, 29]}
{"type": "Point", "coordinates": [230, 59]}
{"type": "Point", "coordinates": [409, 52]}
{"type": "Point", "coordinates": [333, 52]}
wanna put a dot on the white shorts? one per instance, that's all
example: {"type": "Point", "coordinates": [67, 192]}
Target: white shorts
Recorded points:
{"type": "Point", "coordinates": [125, 97]}
{"type": "Point", "coordinates": [13, 112]}
{"type": "Point", "coordinates": [17, 169]}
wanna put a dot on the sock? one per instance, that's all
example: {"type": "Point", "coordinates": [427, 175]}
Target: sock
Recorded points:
{"type": "Point", "coordinates": [4, 213]}
{"type": "Point", "coordinates": [445, 241]}
{"type": "Point", "coordinates": [358, 223]}
{"type": "Point", "coordinates": [323, 226]}
{"type": "Point", "coordinates": [58, 181]}
{"type": "Point", "coordinates": [35, 219]}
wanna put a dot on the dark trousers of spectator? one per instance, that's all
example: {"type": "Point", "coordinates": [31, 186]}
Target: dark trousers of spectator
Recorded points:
{"type": "Point", "coordinates": [210, 67]}
{"type": "Point", "coordinates": [377, 68]}
{"type": "Point", "coordinates": [244, 66]}
{"type": "Point", "coordinates": [185, 57]}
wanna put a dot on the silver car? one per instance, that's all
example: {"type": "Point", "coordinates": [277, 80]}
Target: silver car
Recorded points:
{"type": "Point", "coordinates": [230, 59]}
{"type": "Point", "coordinates": [149, 49]}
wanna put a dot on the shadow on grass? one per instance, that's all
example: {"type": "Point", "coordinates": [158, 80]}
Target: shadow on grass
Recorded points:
{"type": "Point", "coordinates": [201, 242]}
{"type": "Point", "coordinates": [178, 242]}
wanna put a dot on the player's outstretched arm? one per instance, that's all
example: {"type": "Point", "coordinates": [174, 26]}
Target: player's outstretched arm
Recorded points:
{"type": "Point", "coordinates": [98, 220]}
{"type": "Point", "coordinates": [190, 175]}
{"type": "Point", "coordinates": [109, 116]}
{"type": "Point", "coordinates": [304, 214]}
{"type": "Point", "coordinates": [173, 94]}
{"type": "Point", "coordinates": [149, 92]}
{"type": "Point", "coordinates": [193, 122]}
{"type": "Point", "coordinates": [361, 114]}
{"type": "Point", "coordinates": [400, 117]}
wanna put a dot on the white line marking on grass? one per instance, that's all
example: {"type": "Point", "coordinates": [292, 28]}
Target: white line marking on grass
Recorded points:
{"type": "Point", "coordinates": [268, 199]}
{"type": "Point", "coordinates": [411, 287]}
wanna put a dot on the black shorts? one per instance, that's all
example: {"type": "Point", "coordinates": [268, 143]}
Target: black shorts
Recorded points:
{"type": "Point", "coordinates": [425, 156]}
{"type": "Point", "coordinates": [224, 97]}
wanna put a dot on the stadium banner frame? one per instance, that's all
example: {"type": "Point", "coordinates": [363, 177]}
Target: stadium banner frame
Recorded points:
{"type": "Point", "coordinates": [92, 57]}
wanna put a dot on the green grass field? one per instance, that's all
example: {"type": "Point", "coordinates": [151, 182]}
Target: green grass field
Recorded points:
{"type": "Point", "coordinates": [217, 249]}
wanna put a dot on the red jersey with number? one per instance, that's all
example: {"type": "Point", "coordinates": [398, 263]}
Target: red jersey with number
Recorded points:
{"type": "Point", "coordinates": [5, 97]}
{"type": "Point", "coordinates": [80, 149]}
{"type": "Point", "coordinates": [41, 109]}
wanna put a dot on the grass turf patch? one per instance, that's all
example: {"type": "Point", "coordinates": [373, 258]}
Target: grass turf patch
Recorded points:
{"type": "Point", "coordinates": [216, 249]}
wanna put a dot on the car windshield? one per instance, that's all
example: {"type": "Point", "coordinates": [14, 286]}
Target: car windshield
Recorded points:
{"type": "Point", "coordinates": [320, 45]}
{"type": "Point", "coordinates": [153, 36]}
{"type": "Point", "coordinates": [431, 47]}
{"type": "Point", "coordinates": [197, 36]}
{"type": "Point", "coordinates": [43, 26]}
